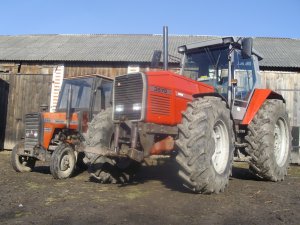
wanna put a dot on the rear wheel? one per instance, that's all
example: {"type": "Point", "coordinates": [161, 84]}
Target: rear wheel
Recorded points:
{"type": "Point", "coordinates": [63, 161]}
{"type": "Point", "coordinates": [19, 162]}
{"type": "Point", "coordinates": [205, 145]}
{"type": "Point", "coordinates": [269, 141]}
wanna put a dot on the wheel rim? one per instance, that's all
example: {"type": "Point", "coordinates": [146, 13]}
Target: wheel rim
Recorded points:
{"type": "Point", "coordinates": [221, 153]}
{"type": "Point", "coordinates": [66, 163]}
{"type": "Point", "coordinates": [281, 141]}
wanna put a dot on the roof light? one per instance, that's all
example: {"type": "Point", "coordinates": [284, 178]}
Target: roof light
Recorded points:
{"type": "Point", "coordinates": [227, 40]}
{"type": "Point", "coordinates": [181, 49]}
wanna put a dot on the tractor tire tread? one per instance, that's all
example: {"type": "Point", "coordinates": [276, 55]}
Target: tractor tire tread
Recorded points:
{"type": "Point", "coordinates": [260, 145]}
{"type": "Point", "coordinates": [195, 143]}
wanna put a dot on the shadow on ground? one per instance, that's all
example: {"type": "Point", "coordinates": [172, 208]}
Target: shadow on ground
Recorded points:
{"type": "Point", "coordinates": [164, 170]}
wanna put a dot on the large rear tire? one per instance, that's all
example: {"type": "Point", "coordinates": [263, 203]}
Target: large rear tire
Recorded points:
{"type": "Point", "coordinates": [63, 161]}
{"type": "Point", "coordinates": [205, 145]}
{"type": "Point", "coordinates": [269, 141]}
{"type": "Point", "coordinates": [19, 162]}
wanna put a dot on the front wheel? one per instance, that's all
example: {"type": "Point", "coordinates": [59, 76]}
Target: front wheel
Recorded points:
{"type": "Point", "coordinates": [205, 145]}
{"type": "Point", "coordinates": [19, 162]}
{"type": "Point", "coordinates": [63, 161]}
{"type": "Point", "coordinates": [104, 169]}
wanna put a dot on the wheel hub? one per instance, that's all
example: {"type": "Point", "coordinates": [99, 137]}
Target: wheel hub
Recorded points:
{"type": "Point", "coordinates": [281, 142]}
{"type": "Point", "coordinates": [65, 163]}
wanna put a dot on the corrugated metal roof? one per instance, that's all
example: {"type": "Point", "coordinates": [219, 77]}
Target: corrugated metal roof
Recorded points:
{"type": "Point", "coordinates": [277, 52]}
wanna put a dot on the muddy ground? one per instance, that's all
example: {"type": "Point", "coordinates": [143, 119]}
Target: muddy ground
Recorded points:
{"type": "Point", "coordinates": [157, 197]}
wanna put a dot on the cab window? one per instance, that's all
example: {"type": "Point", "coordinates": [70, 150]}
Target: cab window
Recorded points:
{"type": "Point", "coordinates": [103, 96]}
{"type": "Point", "coordinates": [244, 74]}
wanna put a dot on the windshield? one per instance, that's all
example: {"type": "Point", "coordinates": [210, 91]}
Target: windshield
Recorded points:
{"type": "Point", "coordinates": [81, 93]}
{"type": "Point", "coordinates": [209, 65]}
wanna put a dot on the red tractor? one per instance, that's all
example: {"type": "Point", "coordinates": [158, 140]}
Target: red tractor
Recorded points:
{"type": "Point", "coordinates": [57, 137]}
{"type": "Point", "coordinates": [211, 111]}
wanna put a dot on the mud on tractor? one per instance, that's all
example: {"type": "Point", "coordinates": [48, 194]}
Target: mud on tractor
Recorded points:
{"type": "Point", "coordinates": [57, 137]}
{"type": "Point", "coordinates": [212, 111]}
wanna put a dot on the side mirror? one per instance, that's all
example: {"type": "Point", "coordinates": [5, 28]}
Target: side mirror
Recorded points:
{"type": "Point", "coordinates": [247, 45]}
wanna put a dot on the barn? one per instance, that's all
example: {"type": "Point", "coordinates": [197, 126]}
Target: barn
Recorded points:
{"type": "Point", "coordinates": [30, 65]}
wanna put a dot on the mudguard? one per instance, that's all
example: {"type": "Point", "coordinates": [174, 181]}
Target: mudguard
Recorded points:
{"type": "Point", "coordinates": [258, 98]}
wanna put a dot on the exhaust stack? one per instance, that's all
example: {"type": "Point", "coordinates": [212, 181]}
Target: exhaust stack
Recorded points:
{"type": "Point", "coordinates": [165, 47]}
{"type": "Point", "coordinates": [69, 107]}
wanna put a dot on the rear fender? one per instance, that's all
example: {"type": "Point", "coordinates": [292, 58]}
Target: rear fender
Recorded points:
{"type": "Point", "coordinates": [258, 98]}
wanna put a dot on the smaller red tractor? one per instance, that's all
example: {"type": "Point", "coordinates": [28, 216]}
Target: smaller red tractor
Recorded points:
{"type": "Point", "coordinates": [210, 112]}
{"type": "Point", "coordinates": [57, 137]}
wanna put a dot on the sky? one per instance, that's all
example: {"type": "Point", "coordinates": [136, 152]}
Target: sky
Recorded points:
{"type": "Point", "coordinates": [252, 18]}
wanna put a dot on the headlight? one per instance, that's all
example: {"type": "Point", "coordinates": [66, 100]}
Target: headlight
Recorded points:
{"type": "Point", "coordinates": [136, 107]}
{"type": "Point", "coordinates": [119, 108]}
{"type": "Point", "coordinates": [31, 133]}
{"type": "Point", "coordinates": [35, 134]}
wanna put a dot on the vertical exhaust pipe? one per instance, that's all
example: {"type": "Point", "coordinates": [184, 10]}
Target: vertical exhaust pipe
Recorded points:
{"type": "Point", "coordinates": [165, 47]}
{"type": "Point", "coordinates": [69, 107]}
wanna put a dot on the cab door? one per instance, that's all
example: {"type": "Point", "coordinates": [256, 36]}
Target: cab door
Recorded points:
{"type": "Point", "coordinates": [245, 76]}
{"type": "Point", "coordinates": [102, 95]}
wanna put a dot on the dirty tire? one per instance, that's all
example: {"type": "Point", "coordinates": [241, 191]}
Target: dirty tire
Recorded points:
{"type": "Point", "coordinates": [103, 169]}
{"type": "Point", "coordinates": [269, 141]}
{"type": "Point", "coordinates": [107, 170]}
{"type": "Point", "coordinates": [63, 161]}
{"type": "Point", "coordinates": [100, 129]}
{"type": "Point", "coordinates": [21, 163]}
{"type": "Point", "coordinates": [205, 145]}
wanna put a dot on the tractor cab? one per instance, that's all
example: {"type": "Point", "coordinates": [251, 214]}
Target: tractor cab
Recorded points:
{"type": "Point", "coordinates": [229, 65]}
{"type": "Point", "coordinates": [89, 93]}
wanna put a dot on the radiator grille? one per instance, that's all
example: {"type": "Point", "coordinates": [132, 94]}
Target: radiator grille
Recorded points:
{"type": "Point", "coordinates": [128, 90]}
{"type": "Point", "coordinates": [32, 127]}
{"type": "Point", "coordinates": [160, 105]}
